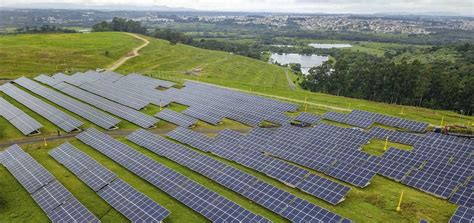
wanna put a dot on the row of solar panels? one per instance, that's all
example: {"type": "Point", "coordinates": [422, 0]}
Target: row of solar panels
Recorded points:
{"type": "Point", "coordinates": [323, 145]}
{"type": "Point", "coordinates": [226, 145]}
{"type": "Point", "coordinates": [274, 199]}
{"type": "Point", "coordinates": [208, 103]}
{"type": "Point", "coordinates": [53, 198]}
{"type": "Point", "coordinates": [134, 205]}
{"type": "Point", "coordinates": [365, 119]}
{"type": "Point", "coordinates": [199, 198]}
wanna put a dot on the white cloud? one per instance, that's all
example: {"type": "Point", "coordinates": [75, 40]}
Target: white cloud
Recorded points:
{"type": "Point", "coordinates": [465, 7]}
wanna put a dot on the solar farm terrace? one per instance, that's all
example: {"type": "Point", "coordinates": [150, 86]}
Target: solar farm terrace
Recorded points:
{"type": "Point", "coordinates": [306, 152]}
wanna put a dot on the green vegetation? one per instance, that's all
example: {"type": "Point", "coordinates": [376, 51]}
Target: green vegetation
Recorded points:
{"type": "Point", "coordinates": [179, 62]}
{"type": "Point", "coordinates": [30, 55]}
{"type": "Point", "coordinates": [376, 147]}
{"type": "Point", "coordinates": [120, 25]}
{"type": "Point", "coordinates": [439, 84]}
{"type": "Point", "coordinates": [43, 29]}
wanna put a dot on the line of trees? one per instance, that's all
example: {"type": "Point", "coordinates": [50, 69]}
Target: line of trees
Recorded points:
{"type": "Point", "coordinates": [120, 25]}
{"type": "Point", "coordinates": [174, 37]}
{"type": "Point", "coordinates": [43, 29]}
{"type": "Point", "coordinates": [438, 85]}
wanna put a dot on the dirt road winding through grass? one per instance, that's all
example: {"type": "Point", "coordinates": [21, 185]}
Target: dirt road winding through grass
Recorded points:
{"type": "Point", "coordinates": [290, 83]}
{"type": "Point", "coordinates": [131, 54]}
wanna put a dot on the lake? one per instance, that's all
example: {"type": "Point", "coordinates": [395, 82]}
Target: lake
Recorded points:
{"type": "Point", "coordinates": [329, 45]}
{"type": "Point", "coordinates": [306, 61]}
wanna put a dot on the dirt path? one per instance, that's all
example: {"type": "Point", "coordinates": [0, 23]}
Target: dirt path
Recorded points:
{"type": "Point", "coordinates": [290, 83]}
{"type": "Point", "coordinates": [131, 54]}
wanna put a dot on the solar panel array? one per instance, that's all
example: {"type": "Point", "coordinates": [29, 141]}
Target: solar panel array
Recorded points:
{"type": "Point", "coordinates": [365, 119]}
{"type": "Point", "coordinates": [133, 204]}
{"type": "Point", "coordinates": [52, 197]}
{"type": "Point", "coordinates": [176, 118]}
{"type": "Point", "coordinates": [129, 114]}
{"type": "Point", "coordinates": [204, 201]}
{"type": "Point", "coordinates": [307, 118]}
{"type": "Point", "coordinates": [56, 116]}
{"type": "Point", "coordinates": [274, 199]}
{"type": "Point", "coordinates": [211, 104]}
{"type": "Point", "coordinates": [227, 146]}
{"type": "Point", "coordinates": [132, 90]}
{"type": "Point", "coordinates": [324, 148]}
{"type": "Point", "coordinates": [463, 215]}
{"type": "Point", "coordinates": [437, 164]}
{"type": "Point", "coordinates": [463, 196]}
{"type": "Point", "coordinates": [22, 121]}
{"type": "Point", "coordinates": [86, 111]}
{"type": "Point", "coordinates": [144, 81]}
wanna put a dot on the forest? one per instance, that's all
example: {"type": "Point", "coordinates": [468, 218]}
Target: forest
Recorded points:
{"type": "Point", "coordinates": [438, 84]}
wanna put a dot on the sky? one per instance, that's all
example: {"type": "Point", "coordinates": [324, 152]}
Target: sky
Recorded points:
{"type": "Point", "coordinates": [463, 7]}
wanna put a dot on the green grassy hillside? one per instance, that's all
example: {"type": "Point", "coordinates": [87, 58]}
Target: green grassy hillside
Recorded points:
{"type": "Point", "coordinates": [181, 62]}
{"type": "Point", "coordinates": [376, 203]}
{"type": "Point", "coordinates": [29, 55]}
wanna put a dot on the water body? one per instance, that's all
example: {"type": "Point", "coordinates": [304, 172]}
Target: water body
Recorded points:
{"type": "Point", "coordinates": [307, 61]}
{"type": "Point", "coordinates": [278, 45]}
{"type": "Point", "coordinates": [329, 45]}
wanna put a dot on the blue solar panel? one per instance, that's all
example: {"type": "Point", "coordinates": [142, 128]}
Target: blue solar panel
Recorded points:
{"type": "Point", "coordinates": [462, 215]}
{"type": "Point", "coordinates": [463, 196]}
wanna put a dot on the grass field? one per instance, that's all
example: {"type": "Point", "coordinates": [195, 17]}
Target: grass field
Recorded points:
{"type": "Point", "coordinates": [173, 62]}
{"type": "Point", "coordinates": [27, 55]}
{"type": "Point", "coordinates": [376, 203]}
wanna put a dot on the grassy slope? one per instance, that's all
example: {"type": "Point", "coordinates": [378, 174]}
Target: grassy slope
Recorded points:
{"type": "Point", "coordinates": [49, 53]}
{"type": "Point", "coordinates": [373, 204]}
{"type": "Point", "coordinates": [162, 60]}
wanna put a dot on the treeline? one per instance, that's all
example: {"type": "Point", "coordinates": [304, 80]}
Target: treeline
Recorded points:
{"type": "Point", "coordinates": [174, 37]}
{"type": "Point", "coordinates": [120, 25]}
{"type": "Point", "coordinates": [43, 29]}
{"type": "Point", "coordinates": [248, 50]}
{"type": "Point", "coordinates": [438, 85]}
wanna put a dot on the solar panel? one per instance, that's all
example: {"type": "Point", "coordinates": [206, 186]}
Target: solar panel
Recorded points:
{"type": "Point", "coordinates": [308, 118]}
{"type": "Point", "coordinates": [204, 115]}
{"type": "Point", "coordinates": [176, 118]}
{"type": "Point", "coordinates": [23, 122]}
{"type": "Point", "coordinates": [211, 104]}
{"type": "Point", "coordinates": [351, 174]}
{"type": "Point", "coordinates": [88, 170]}
{"type": "Point", "coordinates": [396, 163]}
{"type": "Point", "coordinates": [56, 116]}
{"type": "Point", "coordinates": [51, 196]}
{"type": "Point", "coordinates": [72, 211]}
{"type": "Point", "coordinates": [462, 215]}
{"type": "Point", "coordinates": [463, 196]}
{"type": "Point", "coordinates": [31, 175]}
{"type": "Point", "coordinates": [430, 183]}
{"type": "Point", "coordinates": [190, 193]}
{"type": "Point", "coordinates": [325, 189]}
{"type": "Point", "coordinates": [128, 201]}
{"type": "Point", "coordinates": [86, 111]}
{"type": "Point", "coordinates": [136, 206]}
{"type": "Point", "coordinates": [129, 114]}
{"type": "Point", "coordinates": [144, 81]}
{"type": "Point", "coordinates": [115, 93]}
{"type": "Point", "coordinates": [225, 175]}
